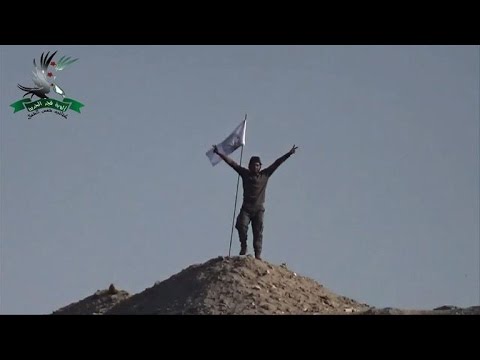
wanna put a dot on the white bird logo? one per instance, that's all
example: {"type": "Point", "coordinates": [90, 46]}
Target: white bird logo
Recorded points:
{"type": "Point", "coordinates": [44, 79]}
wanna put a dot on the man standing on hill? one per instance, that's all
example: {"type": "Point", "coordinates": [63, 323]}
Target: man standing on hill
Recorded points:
{"type": "Point", "coordinates": [254, 187]}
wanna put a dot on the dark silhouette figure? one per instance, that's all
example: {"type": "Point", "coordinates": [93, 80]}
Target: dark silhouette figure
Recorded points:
{"type": "Point", "coordinates": [254, 187]}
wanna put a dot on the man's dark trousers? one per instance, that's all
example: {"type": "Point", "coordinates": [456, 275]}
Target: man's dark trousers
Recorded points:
{"type": "Point", "coordinates": [243, 220]}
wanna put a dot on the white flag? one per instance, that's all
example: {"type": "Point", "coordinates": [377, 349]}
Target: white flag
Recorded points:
{"type": "Point", "coordinates": [230, 144]}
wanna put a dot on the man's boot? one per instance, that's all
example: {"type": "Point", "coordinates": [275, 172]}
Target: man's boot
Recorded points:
{"type": "Point", "coordinates": [243, 248]}
{"type": "Point", "coordinates": [257, 247]}
{"type": "Point", "coordinates": [258, 252]}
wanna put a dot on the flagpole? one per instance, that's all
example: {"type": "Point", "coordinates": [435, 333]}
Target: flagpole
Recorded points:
{"type": "Point", "coordinates": [236, 194]}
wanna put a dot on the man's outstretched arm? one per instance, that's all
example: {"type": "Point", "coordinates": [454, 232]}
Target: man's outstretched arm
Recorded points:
{"type": "Point", "coordinates": [271, 169]}
{"type": "Point", "coordinates": [229, 161]}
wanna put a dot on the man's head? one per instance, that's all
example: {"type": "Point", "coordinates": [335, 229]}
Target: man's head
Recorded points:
{"type": "Point", "coordinates": [255, 164]}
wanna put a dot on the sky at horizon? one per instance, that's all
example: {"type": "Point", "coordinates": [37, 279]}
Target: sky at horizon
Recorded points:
{"type": "Point", "coordinates": [380, 203]}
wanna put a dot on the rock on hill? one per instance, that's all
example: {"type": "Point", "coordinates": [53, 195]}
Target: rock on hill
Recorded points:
{"type": "Point", "coordinates": [96, 304]}
{"type": "Point", "coordinates": [237, 285]}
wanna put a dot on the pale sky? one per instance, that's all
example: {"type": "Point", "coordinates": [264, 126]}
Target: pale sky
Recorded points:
{"type": "Point", "coordinates": [380, 203]}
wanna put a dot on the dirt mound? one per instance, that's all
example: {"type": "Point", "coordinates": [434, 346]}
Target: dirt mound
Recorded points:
{"type": "Point", "coordinates": [96, 304]}
{"type": "Point", "coordinates": [237, 285]}
{"type": "Point", "coordinates": [241, 286]}
{"type": "Point", "coordinates": [442, 310]}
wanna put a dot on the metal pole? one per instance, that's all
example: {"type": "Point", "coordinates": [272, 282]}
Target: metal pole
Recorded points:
{"type": "Point", "coordinates": [235, 206]}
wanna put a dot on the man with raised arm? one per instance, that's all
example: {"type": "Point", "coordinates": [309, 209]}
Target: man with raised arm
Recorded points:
{"type": "Point", "coordinates": [254, 187]}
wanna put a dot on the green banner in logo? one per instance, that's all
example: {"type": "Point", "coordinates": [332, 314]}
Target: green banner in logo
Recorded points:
{"type": "Point", "coordinates": [47, 103]}
{"type": "Point", "coordinates": [19, 105]}
{"type": "Point", "coordinates": [74, 104]}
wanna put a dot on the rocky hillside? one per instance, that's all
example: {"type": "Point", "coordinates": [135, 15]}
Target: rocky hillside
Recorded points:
{"type": "Point", "coordinates": [96, 304]}
{"type": "Point", "coordinates": [235, 285]}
